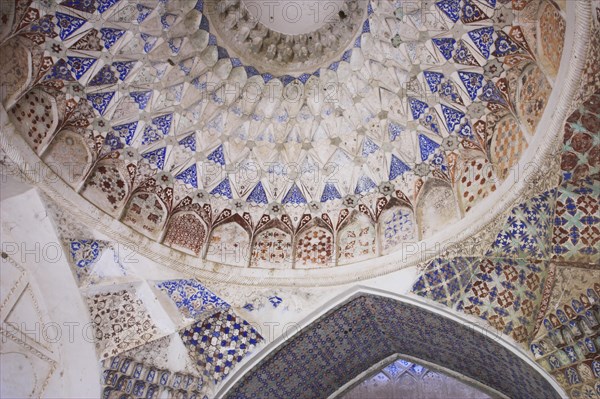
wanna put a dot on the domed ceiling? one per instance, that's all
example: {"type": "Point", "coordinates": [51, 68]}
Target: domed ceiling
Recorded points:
{"type": "Point", "coordinates": [283, 141]}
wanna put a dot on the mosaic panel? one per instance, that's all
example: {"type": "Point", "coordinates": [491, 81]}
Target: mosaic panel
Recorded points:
{"type": "Point", "coordinates": [84, 254]}
{"type": "Point", "coordinates": [121, 322]}
{"type": "Point", "coordinates": [192, 298]}
{"type": "Point", "coordinates": [356, 241]}
{"type": "Point", "coordinates": [272, 249]}
{"type": "Point", "coordinates": [576, 235]}
{"type": "Point", "coordinates": [581, 149]}
{"type": "Point", "coordinates": [507, 294]}
{"type": "Point", "coordinates": [527, 230]}
{"type": "Point", "coordinates": [219, 343]}
{"type": "Point", "coordinates": [314, 248]}
{"type": "Point", "coordinates": [444, 280]}
{"type": "Point", "coordinates": [349, 339]}
{"type": "Point", "coordinates": [508, 143]}
{"type": "Point", "coordinates": [186, 230]}
{"type": "Point", "coordinates": [396, 226]}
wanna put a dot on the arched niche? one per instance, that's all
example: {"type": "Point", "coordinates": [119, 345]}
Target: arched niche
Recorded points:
{"type": "Point", "coordinates": [533, 93]}
{"type": "Point", "coordinates": [16, 70]}
{"type": "Point", "coordinates": [107, 187]}
{"type": "Point", "coordinates": [146, 213]}
{"type": "Point", "coordinates": [356, 239]}
{"type": "Point", "coordinates": [397, 225]}
{"type": "Point", "coordinates": [186, 232]}
{"type": "Point", "coordinates": [35, 117]}
{"type": "Point", "coordinates": [476, 180]}
{"type": "Point", "coordinates": [436, 207]}
{"type": "Point", "coordinates": [364, 329]}
{"type": "Point", "coordinates": [552, 28]}
{"type": "Point", "coordinates": [69, 157]}
{"type": "Point", "coordinates": [314, 246]}
{"type": "Point", "coordinates": [229, 243]}
{"type": "Point", "coordinates": [508, 143]}
{"type": "Point", "coordinates": [272, 248]}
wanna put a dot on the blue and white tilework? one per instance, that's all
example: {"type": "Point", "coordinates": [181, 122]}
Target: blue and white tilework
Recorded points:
{"type": "Point", "coordinates": [192, 298]}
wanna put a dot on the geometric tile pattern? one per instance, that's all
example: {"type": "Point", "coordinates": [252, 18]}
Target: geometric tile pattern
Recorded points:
{"type": "Point", "coordinates": [581, 150]}
{"type": "Point", "coordinates": [527, 230]}
{"type": "Point", "coordinates": [121, 322]}
{"type": "Point", "coordinates": [192, 298]}
{"type": "Point", "coordinates": [218, 343]}
{"type": "Point", "coordinates": [577, 221]}
{"type": "Point", "coordinates": [444, 280]}
{"type": "Point", "coordinates": [346, 341]}
{"type": "Point", "coordinates": [508, 143]}
{"type": "Point", "coordinates": [507, 293]}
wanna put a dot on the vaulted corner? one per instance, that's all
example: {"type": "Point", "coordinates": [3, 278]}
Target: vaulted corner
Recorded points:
{"type": "Point", "coordinates": [286, 199]}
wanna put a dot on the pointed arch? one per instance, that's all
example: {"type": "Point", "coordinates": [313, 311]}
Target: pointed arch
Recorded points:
{"type": "Point", "coordinates": [314, 245]}
{"type": "Point", "coordinates": [146, 213]}
{"type": "Point", "coordinates": [186, 231]}
{"type": "Point", "coordinates": [356, 239]}
{"type": "Point", "coordinates": [107, 187]}
{"type": "Point", "coordinates": [397, 225]}
{"type": "Point", "coordinates": [365, 326]}
{"type": "Point", "coordinates": [272, 247]}
{"type": "Point", "coordinates": [69, 156]}
{"type": "Point", "coordinates": [229, 242]}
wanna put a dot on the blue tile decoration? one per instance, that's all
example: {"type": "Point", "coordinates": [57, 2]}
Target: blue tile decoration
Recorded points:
{"type": "Point", "coordinates": [433, 79]}
{"type": "Point", "coordinates": [110, 36]}
{"type": "Point", "coordinates": [504, 45]}
{"type": "Point", "coordinates": [394, 130]}
{"type": "Point", "coordinates": [463, 55]}
{"type": "Point", "coordinates": [427, 146]}
{"type": "Point", "coordinates": [369, 147]}
{"type": "Point", "coordinates": [189, 176]}
{"type": "Point", "coordinates": [68, 24]}
{"type": "Point", "coordinates": [364, 185]}
{"type": "Point", "coordinates": [141, 98]}
{"type": "Point", "coordinates": [275, 301]}
{"type": "Point", "coordinates": [258, 195]}
{"type": "Point", "coordinates": [143, 13]}
{"type": "Point", "coordinates": [156, 157]}
{"type": "Point", "coordinates": [84, 254]}
{"type": "Point", "coordinates": [472, 82]}
{"type": "Point", "coordinates": [445, 46]}
{"type": "Point", "coordinates": [126, 131]}
{"type": "Point", "coordinates": [105, 76]}
{"type": "Point", "coordinates": [294, 196]}
{"type": "Point", "coordinates": [219, 343]}
{"type": "Point", "coordinates": [223, 189]}
{"type": "Point", "coordinates": [451, 8]}
{"type": "Point", "coordinates": [417, 107]}
{"type": "Point", "coordinates": [123, 68]}
{"type": "Point", "coordinates": [397, 168]}
{"type": "Point", "coordinates": [483, 39]}
{"type": "Point", "coordinates": [365, 330]}
{"type": "Point", "coordinates": [61, 71]}
{"type": "Point", "coordinates": [88, 6]}
{"type": "Point", "coordinates": [149, 42]}
{"type": "Point", "coordinates": [452, 117]}
{"type": "Point", "coordinates": [444, 280]}
{"type": "Point", "coordinates": [100, 101]}
{"type": "Point", "coordinates": [491, 94]}
{"type": "Point", "coordinates": [192, 298]}
{"type": "Point", "coordinates": [527, 231]}
{"type": "Point", "coordinates": [217, 156]}
{"type": "Point", "coordinates": [104, 5]}
{"type": "Point", "coordinates": [330, 193]}
{"type": "Point", "coordinates": [80, 65]}
{"type": "Point", "coordinates": [189, 142]}
{"type": "Point", "coordinates": [113, 142]}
